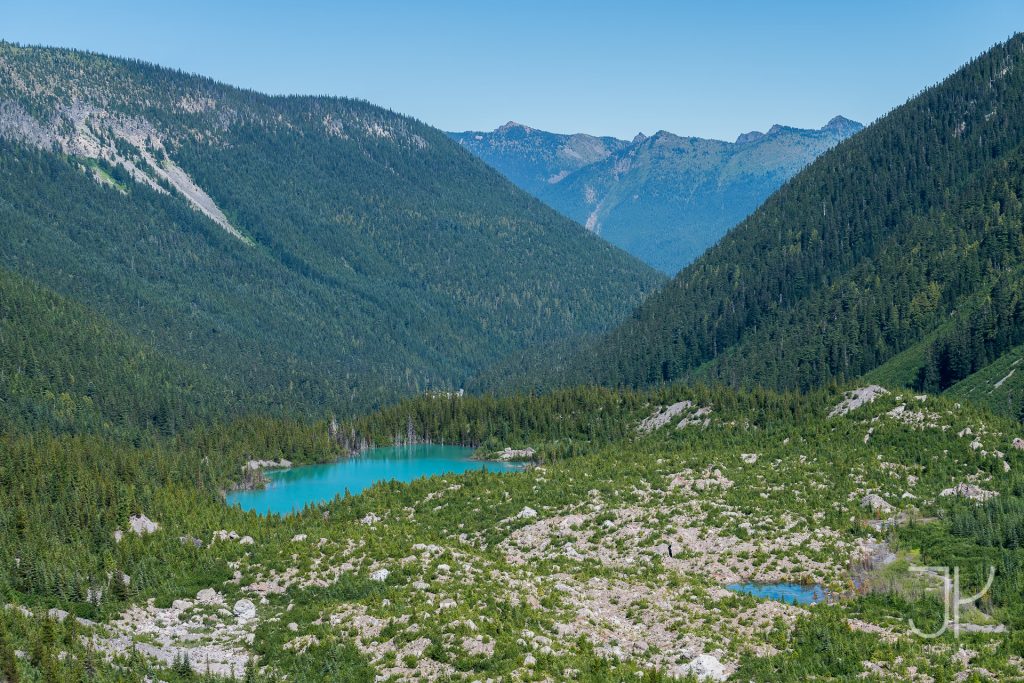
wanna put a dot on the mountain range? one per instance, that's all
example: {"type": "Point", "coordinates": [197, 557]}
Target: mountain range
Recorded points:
{"type": "Point", "coordinates": [664, 198]}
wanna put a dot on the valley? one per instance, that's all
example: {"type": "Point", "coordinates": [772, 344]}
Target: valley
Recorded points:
{"type": "Point", "coordinates": [298, 388]}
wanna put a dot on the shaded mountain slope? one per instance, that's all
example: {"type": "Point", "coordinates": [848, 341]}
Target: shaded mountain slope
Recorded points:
{"type": "Point", "coordinates": [303, 251]}
{"type": "Point", "coordinates": [860, 256]}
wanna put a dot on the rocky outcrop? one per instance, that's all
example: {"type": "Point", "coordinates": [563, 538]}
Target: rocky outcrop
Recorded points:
{"type": "Point", "coordinates": [281, 464]}
{"type": "Point", "coordinates": [705, 668]}
{"type": "Point", "coordinates": [661, 417]}
{"type": "Point", "coordinates": [857, 398]}
{"type": "Point", "coordinates": [508, 454]}
{"type": "Point", "coordinates": [971, 491]}
{"type": "Point", "coordinates": [876, 503]}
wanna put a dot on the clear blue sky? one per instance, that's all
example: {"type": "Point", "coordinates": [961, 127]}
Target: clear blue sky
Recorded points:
{"type": "Point", "coordinates": [712, 69]}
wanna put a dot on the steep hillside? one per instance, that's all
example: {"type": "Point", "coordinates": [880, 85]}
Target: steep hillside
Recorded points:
{"type": "Point", "coordinates": [881, 242]}
{"type": "Point", "coordinates": [664, 199]}
{"type": "Point", "coordinates": [65, 368]}
{"type": "Point", "coordinates": [999, 386]}
{"type": "Point", "coordinates": [534, 159]}
{"type": "Point", "coordinates": [307, 252]}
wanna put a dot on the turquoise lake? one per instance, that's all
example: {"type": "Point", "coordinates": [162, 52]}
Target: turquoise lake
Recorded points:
{"type": "Point", "coordinates": [292, 489]}
{"type": "Point", "coordinates": [791, 593]}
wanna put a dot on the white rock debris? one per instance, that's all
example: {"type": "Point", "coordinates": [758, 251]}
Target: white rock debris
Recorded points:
{"type": "Point", "coordinates": [281, 464]}
{"type": "Point", "coordinates": [971, 491]}
{"type": "Point", "coordinates": [139, 525]}
{"type": "Point", "coordinates": [857, 398]}
{"type": "Point", "coordinates": [662, 416]}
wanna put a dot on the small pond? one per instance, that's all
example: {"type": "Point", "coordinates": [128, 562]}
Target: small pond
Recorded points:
{"type": "Point", "coordinates": [791, 593]}
{"type": "Point", "coordinates": [292, 489]}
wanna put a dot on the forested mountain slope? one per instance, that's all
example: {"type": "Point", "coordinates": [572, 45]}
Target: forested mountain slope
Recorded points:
{"type": "Point", "coordinates": [300, 252]}
{"type": "Point", "coordinates": [883, 241]}
{"type": "Point", "coordinates": [65, 368]}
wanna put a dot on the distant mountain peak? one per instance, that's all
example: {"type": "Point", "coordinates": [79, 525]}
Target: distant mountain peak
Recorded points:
{"type": "Point", "coordinates": [749, 137]}
{"type": "Point", "coordinates": [837, 121]}
{"type": "Point", "coordinates": [775, 129]}
{"type": "Point", "coordinates": [513, 125]}
{"type": "Point", "coordinates": [842, 124]}
{"type": "Point", "coordinates": [638, 138]}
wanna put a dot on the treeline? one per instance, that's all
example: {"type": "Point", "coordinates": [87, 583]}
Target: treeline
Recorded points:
{"type": "Point", "coordinates": [583, 414]}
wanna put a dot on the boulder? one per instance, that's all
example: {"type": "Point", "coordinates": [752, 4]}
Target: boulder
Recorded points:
{"type": "Point", "coordinates": [244, 609]}
{"type": "Point", "coordinates": [965, 490]}
{"type": "Point", "coordinates": [57, 614]}
{"type": "Point", "coordinates": [705, 668]}
{"type": "Point", "coordinates": [526, 513]}
{"type": "Point", "coordinates": [140, 524]}
{"type": "Point", "coordinates": [246, 540]}
{"type": "Point", "coordinates": [1018, 443]}
{"type": "Point", "coordinates": [209, 596]}
{"type": "Point", "coordinates": [380, 575]}
{"type": "Point", "coordinates": [875, 502]}
{"type": "Point", "coordinates": [510, 454]}
{"type": "Point", "coordinates": [370, 519]}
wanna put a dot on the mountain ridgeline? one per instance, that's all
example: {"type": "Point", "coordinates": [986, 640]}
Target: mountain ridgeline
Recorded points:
{"type": "Point", "coordinates": [905, 238]}
{"type": "Point", "coordinates": [312, 253]}
{"type": "Point", "coordinates": [664, 198]}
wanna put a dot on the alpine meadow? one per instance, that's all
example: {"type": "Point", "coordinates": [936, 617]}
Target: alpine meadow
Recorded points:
{"type": "Point", "coordinates": [300, 388]}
